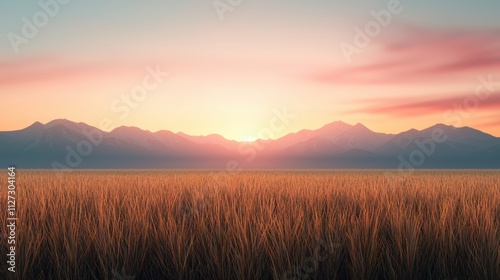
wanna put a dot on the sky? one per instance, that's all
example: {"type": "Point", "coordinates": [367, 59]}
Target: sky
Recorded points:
{"type": "Point", "coordinates": [231, 67]}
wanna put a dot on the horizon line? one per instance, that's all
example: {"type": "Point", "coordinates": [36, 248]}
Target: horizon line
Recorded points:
{"type": "Point", "coordinates": [244, 141]}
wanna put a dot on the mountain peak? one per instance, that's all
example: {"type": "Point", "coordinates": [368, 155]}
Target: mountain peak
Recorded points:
{"type": "Point", "coordinates": [443, 126]}
{"type": "Point", "coordinates": [60, 121]}
{"type": "Point", "coordinates": [337, 144]}
{"type": "Point", "coordinates": [336, 124]}
{"type": "Point", "coordinates": [209, 136]}
{"type": "Point", "coordinates": [130, 131]}
{"type": "Point", "coordinates": [35, 125]}
{"type": "Point", "coordinates": [126, 128]}
{"type": "Point", "coordinates": [214, 139]}
{"type": "Point", "coordinates": [339, 123]}
{"type": "Point", "coordinates": [216, 136]}
{"type": "Point", "coordinates": [361, 126]}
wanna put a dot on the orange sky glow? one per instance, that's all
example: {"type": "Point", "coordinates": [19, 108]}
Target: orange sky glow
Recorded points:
{"type": "Point", "coordinates": [237, 77]}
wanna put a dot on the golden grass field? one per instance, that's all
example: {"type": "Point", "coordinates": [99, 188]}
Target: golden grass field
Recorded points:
{"type": "Point", "coordinates": [255, 225]}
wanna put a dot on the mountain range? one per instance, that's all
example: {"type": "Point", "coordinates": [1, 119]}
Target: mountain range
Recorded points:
{"type": "Point", "coordinates": [63, 144]}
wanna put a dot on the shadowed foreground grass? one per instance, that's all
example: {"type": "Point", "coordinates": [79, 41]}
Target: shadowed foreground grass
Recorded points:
{"type": "Point", "coordinates": [255, 225]}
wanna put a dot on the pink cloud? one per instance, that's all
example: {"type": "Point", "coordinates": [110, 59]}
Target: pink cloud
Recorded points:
{"type": "Point", "coordinates": [490, 124]}
{"type": "Point", "coordinates": [54, 70]}
{"type": "Point", "coordinates": [489, 121]}
{"type": "Point", "coordinates": [412, 54]}
{"type": "Point", "coordinates": [400, 108]}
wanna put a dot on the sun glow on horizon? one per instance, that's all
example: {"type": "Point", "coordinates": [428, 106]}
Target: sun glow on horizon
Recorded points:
{"type": "Point", "coordinates": [248, 75]}
{"type": "Point", "coordinates": [249, 139]}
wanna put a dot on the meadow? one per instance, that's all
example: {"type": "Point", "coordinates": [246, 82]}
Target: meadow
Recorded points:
{"type": "Point", "coordinates": [154, 224]}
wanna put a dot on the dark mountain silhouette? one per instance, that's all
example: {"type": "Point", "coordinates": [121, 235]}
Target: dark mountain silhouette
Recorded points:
{"type": "Point", "coordinates": [63, 144]}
